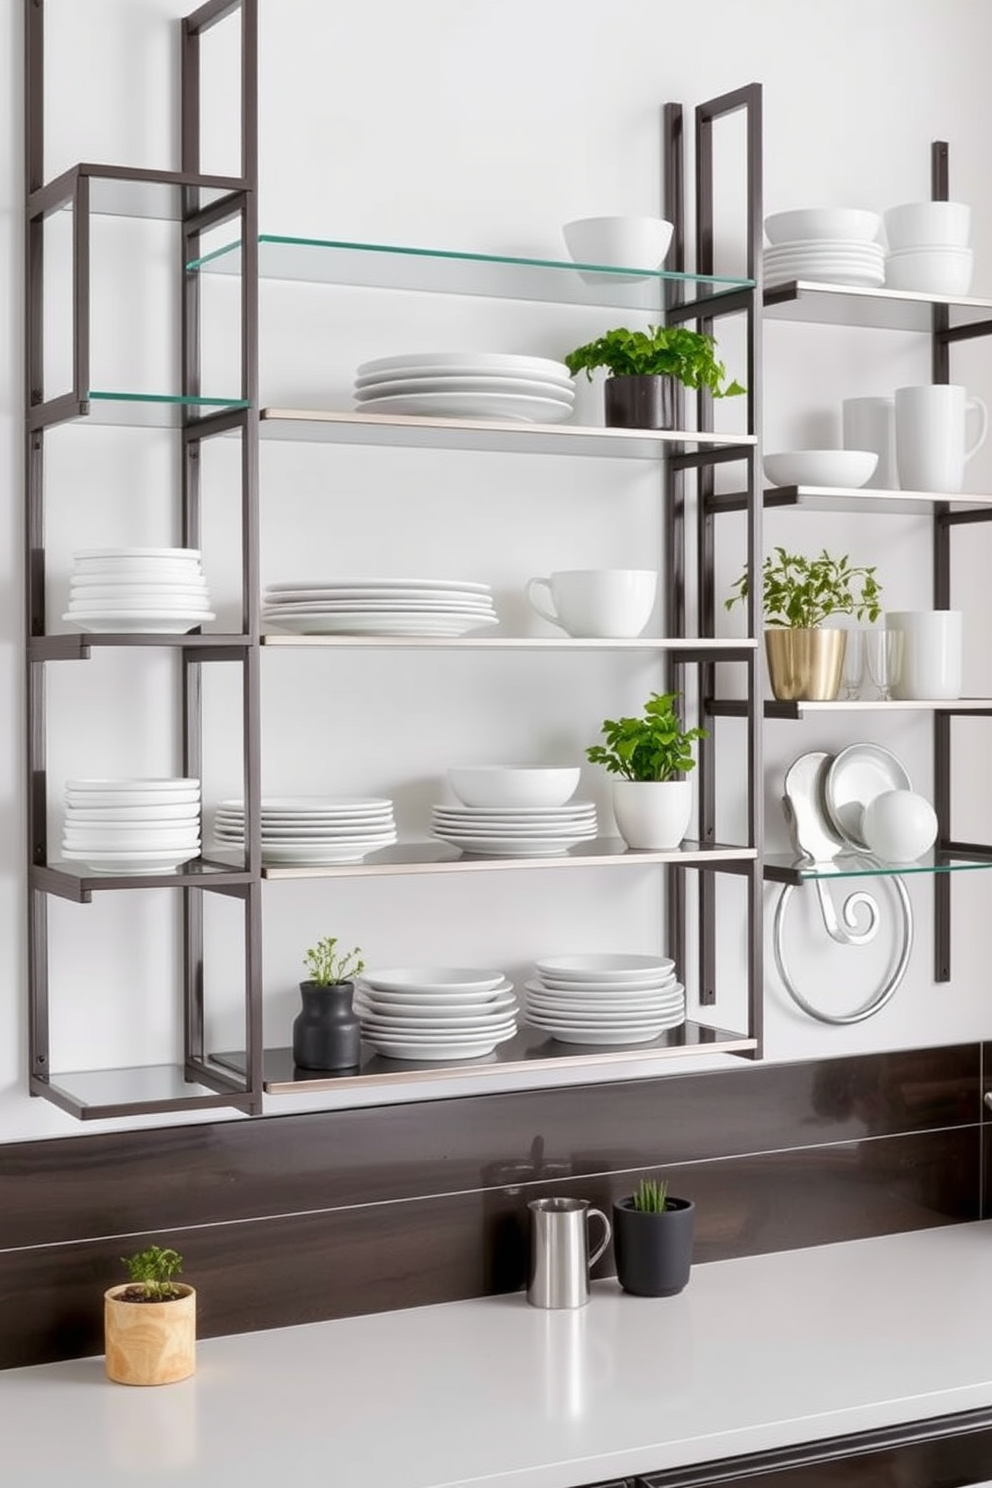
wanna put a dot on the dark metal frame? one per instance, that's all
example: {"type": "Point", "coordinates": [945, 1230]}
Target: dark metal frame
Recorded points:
{"type": "Point", "coordinates": [199, 202]}
{"type": "Point", "coordinates": [705, 311]}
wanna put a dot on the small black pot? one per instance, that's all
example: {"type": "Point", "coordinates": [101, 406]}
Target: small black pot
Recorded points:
{"type": "Point", "coordinates": [653, 1251]}
{"type": "Point", "coordinates": [327, 1033]}
{"type": "Point", "coordinates": [639, 401]}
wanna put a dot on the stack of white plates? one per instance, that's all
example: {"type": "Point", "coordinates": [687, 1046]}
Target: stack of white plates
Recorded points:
{"type": "Point", "coordinates": [436, 1012]}
{"type": "Point", "coordinates": [311, 830]}
{"type": "Point", "coordinates": [429, 607]}
{"type": "Point", "coordinates": [838, 261]}
{"type": "Point", "coordinates": [465, 384]}
{"type": "Point", "coordinates": [515, 831]}
{"type": "Point", "coordinates": [159, 590]}
{"type": "Point", "coordinates": [132, 825]}
{"type": "Point", "coordinates": [605, 999]}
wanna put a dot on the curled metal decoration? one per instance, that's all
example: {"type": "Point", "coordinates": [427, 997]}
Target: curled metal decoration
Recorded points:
{"type": "Point", "coordinates": [846, 932]}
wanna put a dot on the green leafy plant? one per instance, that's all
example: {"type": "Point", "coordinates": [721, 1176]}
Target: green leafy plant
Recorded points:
{"type": "Point", "coordinates": [800, 592]}
{"type": "Point", "coordinates": [666, 351]}
{"type": "Point", "coordinates": [151, 1272]}
{"type": "Point", "coordinates": [650, 1196]}
{"type": "Point", "coordinates": [653, 747]}
{"type": "Point", "coordinates": [327, 968]}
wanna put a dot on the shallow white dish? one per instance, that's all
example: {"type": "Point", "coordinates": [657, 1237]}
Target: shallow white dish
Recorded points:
{"type": "Point", "coordinates": [657, 987]}
{"type": "Point", "coordinates": [520, 408]}
{"type": "Point", "coordinates": [828, 467]}
{"type": "Point", "coordinates": [443, 997]}
{"type": "Point", "coordinates": [823, 224]}
{"type": "Point", "coordinates": [442, 609]}
{"type": "Point", "coordinates": [85, 555]}
{"type": "Point", "coordinates": [346, 585]}
{"type": "Point", "coordinates": [497, 1004]}
{"type": "Point", "coordinates": [400, 624]}
{"type": "Point", "coordinates": [139, 621]}
{"type": "Point", "coordinates": [451, 978]}
{"type": "Point", "coordinates": [507, 785]}
{"type": "Point", "coordinates": [431, 1054]}
{"type": "Point", "coordinates": [312, 805]}
{"type": "Point", "coordinates": [525, 387]}
{"type": "Point", "coordinates": [570, 811]}
{"type": "Point", "coordinates": [293, 855]}
{"type": "Point", "coordinates": [605, 966]}
{"type": "Point", "coordinates": [573, 1035]}
{"type": "Point", "coordinates": [460, 361]}
{"type": "Point", "coordinates": [385, 599]}
{"type": "Point", "coordinates": [576, 832]}
{"type": "Point", "coordinates": [500, 847]}
{"type": "Point", "coordinates": [133, 801]}
{"type": "Point", "coordinates": [554, 383]}
{"type": "Point", "coordinates": [163, 784]}
{"type": "Point", "coordinates": [150, 815]}
{"type": "Point", "coordinates": [131, 862]}
{"type": "Point", "coordinates": [421, 1025]}
{"type": "Point", "coordinates": [854, 777]}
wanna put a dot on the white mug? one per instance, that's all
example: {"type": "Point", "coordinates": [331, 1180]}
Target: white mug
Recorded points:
{"type": "Point", "coordinates": [932, 653]}
{"type": "Point", "coordinates": [931, 441]}
{"type": "Point", "coordinates": [602, 602]}
{"type": "Point", "coordinates": [870, 424]}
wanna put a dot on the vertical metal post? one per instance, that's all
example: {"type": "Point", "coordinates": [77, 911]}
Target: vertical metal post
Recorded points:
{"type": "Point", "coordinates": [941, 549]}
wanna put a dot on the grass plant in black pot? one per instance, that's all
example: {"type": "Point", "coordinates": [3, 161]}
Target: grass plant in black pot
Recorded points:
{"type": "Point", "coordinates": [327, 1032]}
{"type": "Point", "coordinates": [149, 1321]}
{"type": "Point", "coordinates": [643, 369]}
{"type": "Point", "coordinates": [652, 1240]}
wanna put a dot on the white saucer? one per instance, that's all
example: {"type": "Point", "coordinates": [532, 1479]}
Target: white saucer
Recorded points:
{"type": "Point", "coordinates": [854, 777]}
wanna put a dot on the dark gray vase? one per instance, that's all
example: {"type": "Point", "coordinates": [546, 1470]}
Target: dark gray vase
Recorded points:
{"type": "Point", "coordinates": [653, 1251]}
{"type": "Point", "coordinates": [639, 402]}
{"type": "Point", "coordinates": [327, 1033]}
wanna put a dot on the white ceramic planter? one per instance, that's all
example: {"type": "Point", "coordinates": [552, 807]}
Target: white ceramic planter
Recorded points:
{"type": "Point", "coordinates": [652, 815]}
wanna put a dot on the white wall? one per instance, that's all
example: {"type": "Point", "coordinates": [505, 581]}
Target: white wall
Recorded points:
{"type": "Point", "coordinates": [455, 125]}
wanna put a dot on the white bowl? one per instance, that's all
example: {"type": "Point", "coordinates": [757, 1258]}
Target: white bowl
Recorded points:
{"type": "Point", "coordinates": [831, 467]}
{"type": "Point", "coordinates": [928, 224]}
{"type": "Point", "coordinates": [824, 224]}
{"type": "Point", "coordinates": [619, 242]}
{"type": "Point", "coordinates": [899, 826]}
{"type": "Point", "coordinates": [938, 271]}
{"type": "Point", "coordinates": [502, 785]}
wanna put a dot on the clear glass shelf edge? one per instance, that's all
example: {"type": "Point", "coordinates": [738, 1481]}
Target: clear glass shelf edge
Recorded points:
{"type": "Point", "coordinates": [787, 868]}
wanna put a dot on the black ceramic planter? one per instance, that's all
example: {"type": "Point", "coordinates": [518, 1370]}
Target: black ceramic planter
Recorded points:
{"type": "Point", "coordinates": [327, 1033]}
{"type": "Point", "coordinates": [653, 1251]}
{"type": "Point", "coordinates": [639, 402]}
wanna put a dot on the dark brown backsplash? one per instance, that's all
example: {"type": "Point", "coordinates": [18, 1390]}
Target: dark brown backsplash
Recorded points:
{"type": "Point", "coordinates": [289, 1219]}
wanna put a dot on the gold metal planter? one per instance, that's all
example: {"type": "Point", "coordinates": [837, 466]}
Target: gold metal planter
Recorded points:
{"type": "Point", "coordinates": [805, 665]}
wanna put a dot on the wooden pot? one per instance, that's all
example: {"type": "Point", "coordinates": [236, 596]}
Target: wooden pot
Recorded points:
{"type": "Point", "coordinates": [149, 1343]}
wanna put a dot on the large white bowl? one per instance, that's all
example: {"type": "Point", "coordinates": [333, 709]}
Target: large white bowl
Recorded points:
{"type": "Point", "coordinates": [831, 467]}
{"type": "Point", "coordinates": [928, 224]}
{"type": "Point", "coordinates": [619, 242]}
{"type": "Point", "coordinates": [938, 271]}
{"type": "Point", "coordinates": [823, 223]}
{"type": "Point", "coordinates": [503, 785]}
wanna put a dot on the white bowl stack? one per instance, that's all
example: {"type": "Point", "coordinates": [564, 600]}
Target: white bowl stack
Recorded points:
{"type": "Point", "coordinates": [928, 247]}
{"type": "Point", "coordinates": [378, 606]}
{"type": "Point", "coordinates": [436, 1013]}
{"type": "Point", "coordinates": [466, 384]}
{"type": "Point", "coordinates": [311, 831]}
{"type": "Point", "coordinates": [832, 245]}
{"type": "Point", "coordinates": [505, 811]}
{"type": "Point", "coordinates": [146, 590]}
{"type": "Point", "coordinates": [607, 998]}
{"type": "Point", "coordinates": [132, 825]}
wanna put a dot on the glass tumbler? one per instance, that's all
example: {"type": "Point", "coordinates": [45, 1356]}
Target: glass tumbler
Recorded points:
{"type": "Point", "coordinates": [854, 664]}
{"type": "Point", "coordinates": [884, 653]}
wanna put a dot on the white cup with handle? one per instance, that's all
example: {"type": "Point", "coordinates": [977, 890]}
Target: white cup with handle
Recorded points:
{"type": "Point", "coordinates": [931, 435]}
{"type": "Point", "coordinates": [605, 603]}
{"type": "Point", "coordinates": [870, 424]}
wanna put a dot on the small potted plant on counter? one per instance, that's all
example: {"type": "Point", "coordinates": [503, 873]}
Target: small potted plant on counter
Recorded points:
{"type": "Point", "coordinates": [327, 1032]}
{"type": "Point", "coordinates": [652, 803]}
{"type": "Point", "coordinates": [806, 657]}
{"type": "Point", "coordinates": [643, 368]}
{"type": "Point", "coordinates": [652, 1240]}
{"type": "Point", "coordinates": [149, 1321]}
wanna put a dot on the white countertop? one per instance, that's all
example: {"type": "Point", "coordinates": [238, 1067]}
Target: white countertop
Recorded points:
{"type": "Point", "coordinates": [755, 1353]}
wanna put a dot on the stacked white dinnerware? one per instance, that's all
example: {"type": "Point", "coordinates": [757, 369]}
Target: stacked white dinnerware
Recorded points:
{"type": "Point", "coordinates": [311, 831]}
{"type": "Point", "coordinates": [436, 1012]}
{"type": "Point", "coordinates": [605, 998]}
{"type": "Point", "coordinates": [132, 825]}
{"type": "Point", "coordinates": [928, 247]}
{"type": "Point", "coordinates": [509, 811]}
{"type": "Point", "coordinates": [377, 606]}
{"type": "Point", "coordinates": [467, 384]}
{"type": "Point", "coordinates": [833, 245]}
{"type": "Point", "coordinates": [147, 590]}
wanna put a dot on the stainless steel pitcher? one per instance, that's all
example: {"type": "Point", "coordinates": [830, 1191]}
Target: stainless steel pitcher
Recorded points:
{"type": "Point", "coordinates": [559, 1251]}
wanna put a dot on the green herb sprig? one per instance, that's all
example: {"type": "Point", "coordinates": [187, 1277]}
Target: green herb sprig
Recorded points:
{"type": "Point", "coordinates": [653, 747]}
{"type": "Point", "coordinates": [327, 968]}
{"type": "Point", "coordinates": [153, 1270]}
{"type": "Point", "coordinates": [800, 592]}
{"type": "Point", "coordinates": [666, 351]}
{"type": "Point", "coordinates": [650, 1196]}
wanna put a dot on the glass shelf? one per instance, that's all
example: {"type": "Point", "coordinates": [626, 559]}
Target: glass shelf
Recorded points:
{"type": "Point", "coordinates": [444, 271]}
{"type": "Point", "coordinates": [132, 410]}
{"type": "Point", "coordinates": [93, 1095]}
{"type": "Point", "coordinates": [880, 309]}
{"type": "Point", "coordinates": [738, 708]}
{"type": "Point", "coordinates": [788, 869]}
{"type": "Point", "coordinates": [688, 649]}
{"type": "Point", "coordinates": [442, 857]}
{"type": "Point", "coordinates": [503, 435]}
{"type": "Point", "coordinates": [528, 1050]}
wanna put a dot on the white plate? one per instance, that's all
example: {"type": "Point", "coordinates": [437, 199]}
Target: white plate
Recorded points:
{"type": "Point", "coordinates": [295, 856]}
{"type": "Point", "coordinates": [97, 586]}
{"type": "Point", "coordinates": [475, 405]}
{"type": "Point", "coordinates": [312, 839]}
{"type": "Point", "coordinates": [392, 1005]}
{"type": "Point", "coordinates": [140, 838]}
{"type": "Point", "coordinates": [130, 862]}
{"type": "Point", "coordinates": [496, 816]}
{"type": "Point", "coordinates": [148, 622]}
{"type": "Point", "coordinates": [400, 625]}
{"type": "Point", "coordinates": [165, 784]}
{"type": "Point", "coordinates": [419, 978]}
{"type": "Point", "coordinates": [84, 555]}
{"type": "Point", "coordinates": [312, 805]}
{"type": "Point", "coordinates": [148, 815]}
{"type": "Point", "coordinates": [459, 361]}
{"type": "Point", "coordinates": [519, 387]}
{"type": "Point", "coordinates": [496, 847]}
{"type": "Point", "coordinates": [158, 606]}
{"type": "Point", "coordinates": [443, 997]}
{"type": "Point", "coordinates": [604, 992]}
{"type": "Point", "coordinates": [642, 982]}
{"type": "Point", "coordinates": [596, 1015]}
{"type": "Point", "coordinates": [605, 966]}
{"type": "Point", "coordinates": [352, 598]}
{"type": "Point", "coordinates": [557, 383]}
{"type": "Point", "coordinates": [535, 834]}
{"type": "Point", "coordinates": [854, 777]}
{"type": "Point", "coordinates": [346, 586]}
{"type": "Point", "coordinates": [343, 817]}
{"type": "Point", "coordinates": [469, 1025]}
{"type": "Point", "coordinates": [605, 1036]}
{"type": "Point", "coordinates": [474, 824]}
{"type": "Point", "coordinates": [441, 608]}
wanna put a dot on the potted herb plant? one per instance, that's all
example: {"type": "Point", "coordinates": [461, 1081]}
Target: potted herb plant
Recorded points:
{"type": "Point", "coordinates": [649, 755]}
{"type": "Point", "coordinates": [327, 1033]}
{"type": "Point", "coordinates": [805, 657]}
{"type": "Point", "coordinates": [643, 368]}
{"type": "Point", "coordinates": [149, 1321]}
{"type": "Point", "coordinates": [652, 1240]}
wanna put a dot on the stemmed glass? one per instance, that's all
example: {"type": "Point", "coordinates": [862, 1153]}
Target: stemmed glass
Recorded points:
{"type": "Point", "coordinates": [854, 664]}
{"type": "Point", "coordinates": [884, 648]}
